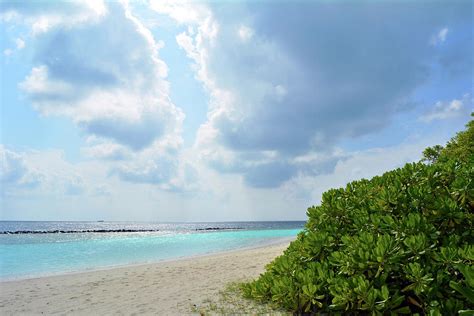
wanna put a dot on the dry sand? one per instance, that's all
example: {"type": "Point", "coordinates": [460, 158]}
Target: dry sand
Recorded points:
{"type": "Point", "coordinates": [164, 288]}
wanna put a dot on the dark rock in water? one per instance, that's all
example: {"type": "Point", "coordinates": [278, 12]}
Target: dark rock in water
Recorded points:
{"type": "Point", "coordinates": [122, 230]}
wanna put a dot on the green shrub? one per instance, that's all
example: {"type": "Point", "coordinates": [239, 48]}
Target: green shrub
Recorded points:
{"type": "Point", "coordinates": [400, 243]}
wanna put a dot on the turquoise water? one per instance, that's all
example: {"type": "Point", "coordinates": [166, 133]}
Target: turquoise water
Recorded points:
{"type": "Point", "coordinates": [29, 255]}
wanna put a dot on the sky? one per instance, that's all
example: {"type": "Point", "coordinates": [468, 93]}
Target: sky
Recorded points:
{"type": "Point", "coordinates": [220, 110]}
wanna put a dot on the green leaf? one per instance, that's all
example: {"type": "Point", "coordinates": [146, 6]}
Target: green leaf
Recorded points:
{"type": "Point", "coordinates": [385, 292]}
{"type": "Point", "coordinates": [466, 292]}
{"type": "Point", "coordinates": [403, 310]}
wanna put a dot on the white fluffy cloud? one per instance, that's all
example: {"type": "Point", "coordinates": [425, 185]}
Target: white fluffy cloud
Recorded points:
{"type": "Point", "coordinates": [106, 76]}
{"type": "Point", "coordinates": [450, 109]}
{"type": "Point", "coordinates": [41, 16]}
{"type": "Point", "coordinates": [183, 11]}
{"type": "Point", "coordinates": [29, 173]}
{"type": "Point", "coordinates": [98, 65]}
{"type": "Point", "coordinates": [15, 173]}
{"type": "Point", "coordinates": [106, 151]}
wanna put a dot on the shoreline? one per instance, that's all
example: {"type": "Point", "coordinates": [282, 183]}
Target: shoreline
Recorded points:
{"type": "Point", "coordinates": [276, 241]}
{"type": "Point", "coordinates": [165, 287]}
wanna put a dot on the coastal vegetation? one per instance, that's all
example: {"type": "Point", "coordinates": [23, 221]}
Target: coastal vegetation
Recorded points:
{"type": "Point", "coordinates": [399, 243]}
{"type": "Point", "coordinates": [229, 301]}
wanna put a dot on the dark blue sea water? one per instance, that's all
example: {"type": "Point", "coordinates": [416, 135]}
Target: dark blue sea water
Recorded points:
{"type": "Point", "coordinates": [41, 249]}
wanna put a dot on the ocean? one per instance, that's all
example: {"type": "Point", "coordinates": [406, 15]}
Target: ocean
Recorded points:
{"type": "Point", "coordinates": [33, 249]}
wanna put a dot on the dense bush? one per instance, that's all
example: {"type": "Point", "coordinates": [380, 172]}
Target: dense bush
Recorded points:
{"type": "Point", "coordinates": [400, 243]}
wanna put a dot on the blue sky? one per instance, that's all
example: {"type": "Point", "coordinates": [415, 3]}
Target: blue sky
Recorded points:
{"type": "Point", "coordinates": [221, 110]}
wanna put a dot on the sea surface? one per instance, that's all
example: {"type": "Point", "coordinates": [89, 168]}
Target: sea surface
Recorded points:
{"type": "Point", "coordinates": [32, 249]}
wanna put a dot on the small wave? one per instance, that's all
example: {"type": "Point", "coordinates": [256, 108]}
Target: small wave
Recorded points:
{"type": "Point", "coordinates": [219, 228]}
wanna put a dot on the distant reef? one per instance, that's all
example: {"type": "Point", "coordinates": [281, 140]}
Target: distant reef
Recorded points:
{"type": "Point", "coordinates": [59, 231]}
{"type": "Point", "coordinates": [78, 231]}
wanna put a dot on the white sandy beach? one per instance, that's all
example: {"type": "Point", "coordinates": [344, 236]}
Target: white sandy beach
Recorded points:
{"type": "Point", "coordinates": [165, 288]}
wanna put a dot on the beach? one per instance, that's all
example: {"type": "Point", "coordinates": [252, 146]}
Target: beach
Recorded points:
{"type": "Point", "coordinates": [169, 287]}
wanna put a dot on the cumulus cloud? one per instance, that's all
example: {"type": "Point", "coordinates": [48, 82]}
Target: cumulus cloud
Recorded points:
{"type": "Point", "coordinates": [268, 175]}
{"type": "Point", "coordinates": [98, 65]}
{"type": "Point", "coordinates": [154, 171]}
{"type": "Point", "coordinates": [169, 170]}
{"type": "Point", "coordinates": [104, 73]}
{"type": "Point", "coordinates": [355, 166]}
{"type": "Point", "coordinates": [15, 173]}
{"type": "Point", "coordinates": [106, 151]}
{"type": "Point", "coordinates": [47, 173]}
{"type": "Point", "coordinates": [268, 169]}
{"type": "Point", "coordinates": [183, 11]}
{"type": "Point", "coordinates": [306, 84]}
{"type": "Point", "coordinates": [41, 16]}
{"type": "Point", "coordinates": [443, 110]}
{"type": "Point", "coordinates": [160, 164]}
